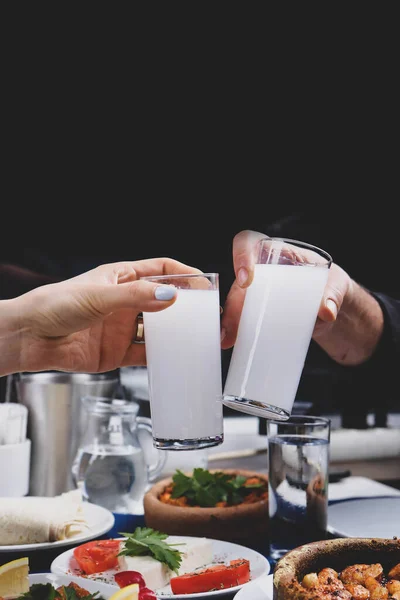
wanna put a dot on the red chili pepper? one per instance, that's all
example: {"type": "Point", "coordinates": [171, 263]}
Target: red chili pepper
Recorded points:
{"type": "Point", "coordinates": [146, 594]}
{"type": "Point", "coordinates": [124, 578]}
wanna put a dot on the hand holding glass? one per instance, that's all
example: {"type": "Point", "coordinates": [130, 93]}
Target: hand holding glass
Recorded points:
{"type": "Point", "coordinates": [275, 329]}
{"type": "Point", "coordinates": [183, 353]}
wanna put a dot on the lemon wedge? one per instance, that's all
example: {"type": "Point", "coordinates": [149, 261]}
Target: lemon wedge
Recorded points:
{"type": "Point", "coordinates": [14, 578]}
{"type": "Point", "coordinates": [129, 592]}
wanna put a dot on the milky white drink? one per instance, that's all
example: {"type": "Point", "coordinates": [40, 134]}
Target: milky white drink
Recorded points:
{"type": "Point", "coordinates": [275, 330]}
{"type": "Point", "coordinates": [183, 351]}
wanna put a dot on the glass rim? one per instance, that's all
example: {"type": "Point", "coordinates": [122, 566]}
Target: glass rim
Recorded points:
{"type": "Point", "coordinates": [177, 275]}
{"type": "Point", "coordinates": [296, 420]}
{"type": "Point", "coordinates": [302, 244]}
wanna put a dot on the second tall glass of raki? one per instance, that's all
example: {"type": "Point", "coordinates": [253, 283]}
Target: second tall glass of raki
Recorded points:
{"type": "Point", "coordinates": [276, 324]}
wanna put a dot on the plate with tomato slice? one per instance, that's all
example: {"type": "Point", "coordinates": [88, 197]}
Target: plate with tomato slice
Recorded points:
{"type": "Point", "coordinates": [233, 567]}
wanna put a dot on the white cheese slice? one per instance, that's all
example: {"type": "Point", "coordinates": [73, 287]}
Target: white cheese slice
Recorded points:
{"type": "Point", "coordinates": [197, 552]}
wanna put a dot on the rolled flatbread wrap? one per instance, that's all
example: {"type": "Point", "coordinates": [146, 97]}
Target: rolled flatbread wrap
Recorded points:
{"type": "Point", "coordinates": [35, 519]}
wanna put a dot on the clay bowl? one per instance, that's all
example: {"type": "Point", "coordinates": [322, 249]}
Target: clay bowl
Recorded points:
{"type": "Point", "coordinates": [337, 554]}
{"type": "Point", "coordinates": [239, 524]}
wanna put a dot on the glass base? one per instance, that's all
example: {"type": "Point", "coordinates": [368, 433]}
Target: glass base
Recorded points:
{"type": "Point", "coordinates": [259, 409]}
{"type": "Point", "coordinates": [196, 444]}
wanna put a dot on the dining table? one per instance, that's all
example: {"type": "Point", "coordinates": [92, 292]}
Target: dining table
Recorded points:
{"type": "Point", "coordinates": [245, 450]}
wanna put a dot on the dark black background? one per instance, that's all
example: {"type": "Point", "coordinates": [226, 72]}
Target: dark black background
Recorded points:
{"type": "Point", "coordinates": [171, 150]}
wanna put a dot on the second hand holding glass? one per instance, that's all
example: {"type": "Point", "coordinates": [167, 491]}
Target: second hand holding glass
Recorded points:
{"type": "Point", "coordinates": [275, 329]}
{"type": "Point", "coordinates": [183, 353]}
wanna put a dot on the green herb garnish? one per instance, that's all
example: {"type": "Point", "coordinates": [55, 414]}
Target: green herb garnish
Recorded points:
{"type": "Point", "coordinates": [145, 541]}
{"type": "Point", "coordinates": [46, 591]}
{"type": "Point", "coordinates": [40, 591]}
{"type": "Point", "coordinates": [71, 594]}
{"type": "Point", "coordinates": [206, 489]}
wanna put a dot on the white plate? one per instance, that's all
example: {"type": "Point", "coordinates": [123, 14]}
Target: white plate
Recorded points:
{"type": "Point", "coordinates": [99, 519]}
{"type": "Point", "coordinates": [222, 552]}
{"type": "Point", "coordinates": [258, 590]}
{"type": "Point", "coordinates": [367, 517]}
{"type": "Point", "coordinates": [105, 589]}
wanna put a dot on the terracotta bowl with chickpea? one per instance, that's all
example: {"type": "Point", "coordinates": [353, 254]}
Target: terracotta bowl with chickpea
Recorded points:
{"type": "Point", "coordinates": [226, 504]}
{"type": "Point", "coordinates": [340, 569]}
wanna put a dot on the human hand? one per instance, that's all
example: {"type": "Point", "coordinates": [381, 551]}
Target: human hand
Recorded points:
{"type": "Point", "coordinates": [87, 323]}
{"type": "Point", "coordinates": [337, 333]}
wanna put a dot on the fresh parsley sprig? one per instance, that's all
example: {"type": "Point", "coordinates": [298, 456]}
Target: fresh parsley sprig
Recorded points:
{"type": "Point", "coordinates": [206, 489]}
{"type": "Point", "coordinates": [46, 591]}
{"type": "Point", "coordinates": [145, 541]}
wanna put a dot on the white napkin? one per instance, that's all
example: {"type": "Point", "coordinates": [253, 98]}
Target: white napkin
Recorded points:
{"type": "Point", "coordinates": [364, 444]}
{"type": "Point", "coordinates": [13, 423]}
{"type": "Point", "coordinates": [348, 487]}
{"type": "Point", "coordinates": [359, 487]}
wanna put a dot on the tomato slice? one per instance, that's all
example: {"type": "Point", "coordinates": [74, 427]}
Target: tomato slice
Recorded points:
{"type": "Point", "coordinates": [97, 556]}
{"type": "Point", "coordinates": [216, 577]}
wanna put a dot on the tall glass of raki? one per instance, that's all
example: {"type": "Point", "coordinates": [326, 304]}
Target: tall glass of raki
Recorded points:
{"type": "Point", "coordinates": [298, 475]}
{"type": "Point", "coordinates": [276, 325]}
{"type": "Point", "coordinates": [183, 354]}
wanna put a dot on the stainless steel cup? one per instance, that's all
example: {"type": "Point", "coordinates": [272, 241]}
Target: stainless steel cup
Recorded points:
{"type": "Point", "coordinates": [56, 421]}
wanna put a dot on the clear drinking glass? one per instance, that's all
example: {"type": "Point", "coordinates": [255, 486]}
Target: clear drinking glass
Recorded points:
{"type": "Point", "coordinates": [183, 353]}
{"type": "Point", "coordinates": [275, 329]}
{"type": "Point", "coordinates": [298, 476]}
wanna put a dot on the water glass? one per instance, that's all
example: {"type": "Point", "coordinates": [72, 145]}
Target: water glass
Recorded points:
{"type": "Point", "coordinates": [183, 353]}
{"type": "Point", "coordinates": [275, 328]}
{"type": "Point", "coordinates": [298, 473]}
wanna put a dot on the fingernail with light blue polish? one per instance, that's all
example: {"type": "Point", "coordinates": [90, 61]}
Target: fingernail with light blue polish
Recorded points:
{"type": "Point", "coordinates": [165, 292]}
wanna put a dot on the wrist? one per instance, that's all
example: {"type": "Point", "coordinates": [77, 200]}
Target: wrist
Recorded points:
{"type": "Point", "coordinates": [361, 322]}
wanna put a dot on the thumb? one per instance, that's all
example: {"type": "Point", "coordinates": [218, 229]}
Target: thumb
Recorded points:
{"type": "Point", "coordinates": [244, 251]}
{"type": "Point", "coordinates": [334, 293]}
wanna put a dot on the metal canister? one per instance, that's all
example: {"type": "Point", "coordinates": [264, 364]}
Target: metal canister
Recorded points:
{"type": "Point", "coordinates": [56, 422]}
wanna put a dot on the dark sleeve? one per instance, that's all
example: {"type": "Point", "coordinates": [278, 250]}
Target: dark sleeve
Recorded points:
{"type": "Point", "coordinates": [378, 377]}
{"type": "Point", "coordinates": [386, 358]}
{"type": "Point", "coordinates": [355, 391]}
